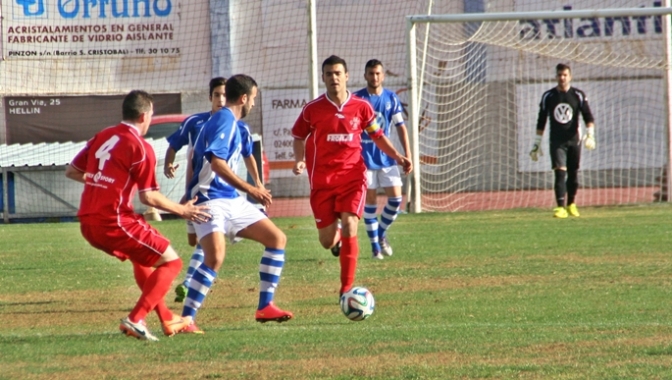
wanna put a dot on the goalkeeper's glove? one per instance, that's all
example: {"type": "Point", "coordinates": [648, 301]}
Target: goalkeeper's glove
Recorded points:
{"type": "Point", "coordinates": [536, 149]}
{"type": "Point", "coordinates": [590, 138]}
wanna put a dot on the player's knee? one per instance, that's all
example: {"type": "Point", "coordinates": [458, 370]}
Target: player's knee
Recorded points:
{"type": "Point", "coordinates": [560, 173]}
{"type": "Point", "coordinates": [327, 242]}
{"type": "Point", "coordinates": [280, 239]}
{"type": "Point", "coordinates": [214, 260]}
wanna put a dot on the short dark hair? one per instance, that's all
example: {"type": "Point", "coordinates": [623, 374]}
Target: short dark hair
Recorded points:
{"type": "Point", "coordinates": [216, 82]}
{"type": "Point", "coordinates": [334, 60]}
{"type": "Point", "coordinates": [239, 85]}
{"type": "Point", "coordinates": [136, 103]}
{"type": "Point", "coordinates": [372, 63]}
{"type": "Point", "coordinates": [562, 67]}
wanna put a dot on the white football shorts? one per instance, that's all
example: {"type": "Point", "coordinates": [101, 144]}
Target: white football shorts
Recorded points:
{"type": "Point", "coordinates": [385, 177]}
{"type": "Point", "coordinates": [229, 216]}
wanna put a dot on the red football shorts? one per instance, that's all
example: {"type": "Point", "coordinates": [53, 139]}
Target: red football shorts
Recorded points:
{"type": "Point", "coordinates": [137, 241]}
{"type": "Point", "coordinates": [328, 204]}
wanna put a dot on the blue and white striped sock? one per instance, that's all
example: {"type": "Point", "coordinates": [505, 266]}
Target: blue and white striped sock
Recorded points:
{"type": "Point", "coordinates": [196, 260]}
{"type": "Point", "coordinates": [371, 224]}
{"type": "Point", "coordinates": [270, 269]}
{"type": "Point", "coordinates": [199, 286]}
{"type": "Point", "coordinates": [390, 212]}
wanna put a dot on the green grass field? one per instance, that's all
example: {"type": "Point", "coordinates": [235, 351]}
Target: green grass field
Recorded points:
{"type": "Point", "coordinates": [481, 295]}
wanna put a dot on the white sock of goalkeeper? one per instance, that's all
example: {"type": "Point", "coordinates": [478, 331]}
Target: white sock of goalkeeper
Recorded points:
{"type": "Point", "coordinates": [390, 212]}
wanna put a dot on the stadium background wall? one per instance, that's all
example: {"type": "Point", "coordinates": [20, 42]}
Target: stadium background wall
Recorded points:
{"type": "Point", "coordinates": [175, 47]}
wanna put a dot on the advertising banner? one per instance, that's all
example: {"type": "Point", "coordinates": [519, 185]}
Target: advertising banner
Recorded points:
{"type": "Point", "coordinates": [280, 109]}
{"type": "Point", "coordinates": [34, 29]}
{"type": "Point", "coordinates": [45, 119]}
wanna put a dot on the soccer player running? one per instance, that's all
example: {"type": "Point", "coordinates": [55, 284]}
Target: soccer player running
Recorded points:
{"type": "Point", "coordinates": [562, 105]}
{"type": "Point", "coordinates": [327, 143]}
{"type": "Point", "coordinates": [218, 149]}
{"type": "Point", "coordinates": [186, 135]}
{"type": "Point", "coordinates": [112, 165]}
{"type": "Point", "coordinates": [382, 169]}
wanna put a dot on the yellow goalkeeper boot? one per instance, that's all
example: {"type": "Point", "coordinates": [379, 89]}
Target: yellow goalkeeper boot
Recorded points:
{"type": "Point", "coordinates": [559, 212]}
{"type": "Point", "coordinates": [572, 210]}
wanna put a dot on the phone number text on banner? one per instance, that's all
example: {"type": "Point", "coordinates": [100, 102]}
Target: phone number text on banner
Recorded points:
{"type": "Point", "coordinates": [81, 28]}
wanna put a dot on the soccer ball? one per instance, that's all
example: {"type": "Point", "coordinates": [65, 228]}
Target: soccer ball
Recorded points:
{"type": "Point", "coordinates": [357, 304]}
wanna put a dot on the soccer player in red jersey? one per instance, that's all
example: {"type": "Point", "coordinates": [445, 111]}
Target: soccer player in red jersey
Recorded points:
{"type": "Point", "coordinates": [115, 163]}
{"type": "Point", "coordinates": [327, 143]}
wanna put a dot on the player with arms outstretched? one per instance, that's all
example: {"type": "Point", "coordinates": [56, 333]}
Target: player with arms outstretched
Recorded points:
{"type": "Point", "coordinates": [112, 165]}
{"type": "Point", "coordinates": [218, 149]}
{"type": "Point", "coordinates": [327, 143]}
{"type": "Point", "coordinates": [382, 169]}
{"type": "Point", "coordinates": [562, 105]}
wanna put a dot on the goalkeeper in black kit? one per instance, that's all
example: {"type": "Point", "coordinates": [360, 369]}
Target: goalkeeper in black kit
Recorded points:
{"type": "Point", "coordinates": [562, 105]}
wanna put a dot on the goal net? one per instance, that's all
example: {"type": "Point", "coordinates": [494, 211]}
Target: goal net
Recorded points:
{"type": "Point", "coordinates": [478, 81]}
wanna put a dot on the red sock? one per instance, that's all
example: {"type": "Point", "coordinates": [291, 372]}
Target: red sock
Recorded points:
{"type": "Point", "coordinates": [141, 274]}
{"type": "Point", "coordinates": [154, 290]}
{"type": "Point", "coordinates": [348, 259]}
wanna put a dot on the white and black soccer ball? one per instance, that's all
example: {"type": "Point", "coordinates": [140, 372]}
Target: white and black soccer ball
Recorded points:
{"type": "Point", "coordinates": [357, 303]}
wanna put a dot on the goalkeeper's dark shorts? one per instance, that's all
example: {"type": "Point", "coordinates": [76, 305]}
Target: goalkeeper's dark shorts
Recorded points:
{"type": "Point", "coordinates": [566, 154]}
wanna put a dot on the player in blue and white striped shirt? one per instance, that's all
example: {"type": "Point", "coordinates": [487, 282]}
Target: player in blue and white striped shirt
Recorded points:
{"type": "Point", "coordinates": [186, 136]}
{"type": "Point", "coordinates": [382, 169]}
{"type": "Point", "coordinates": [218, 148]}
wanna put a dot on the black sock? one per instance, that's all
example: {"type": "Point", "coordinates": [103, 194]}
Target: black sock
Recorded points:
{"type": "Point", "coordinates": [572, 185]}
{"type": "Point", "coordinates": [560, 187]}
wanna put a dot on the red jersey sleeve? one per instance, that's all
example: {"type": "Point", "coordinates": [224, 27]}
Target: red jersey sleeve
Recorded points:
{"type": "Point", "coordinates": [144, 171]}
{"type": "Point", "coordinates": [301, 128]}
{"type": "Point", "coordinates": [80, 160]}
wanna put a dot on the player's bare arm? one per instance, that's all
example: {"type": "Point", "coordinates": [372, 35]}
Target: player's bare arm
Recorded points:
{"type": "Point", "coordinates": [384, 144]}
{"type": "Point", "coordinates": [190, 173]}
{"type": "Point", "coordinates": [168, 168]}
{"type": "Point", "coordinates": [403, 139]}
{"type": "Point", "coordinates": [188, 210]}
{"type": "Point", "coordinates": [299, 151]}
{"type": "Point", "coordinates": [74, 174]}
{"type": "Point", "coordinates": [222, 169]}
{"type": "Point", "coordinates": [251, 166]}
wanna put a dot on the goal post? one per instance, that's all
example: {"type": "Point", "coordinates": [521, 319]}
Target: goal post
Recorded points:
{"type": "Point", "coordinates": [472, 116]}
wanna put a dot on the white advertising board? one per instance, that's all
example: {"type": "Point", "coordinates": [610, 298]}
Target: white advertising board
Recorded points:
{"type": "Point", "coordinates": [280, 109]}
{"type": "Point", "coordinates": [34, 29]}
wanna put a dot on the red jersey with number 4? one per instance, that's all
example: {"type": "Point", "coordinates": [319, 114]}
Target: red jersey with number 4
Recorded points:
{"type": "Point", "coordinates": [117, 161]}
{"type": "Point", "coordinates": [333, 139]}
